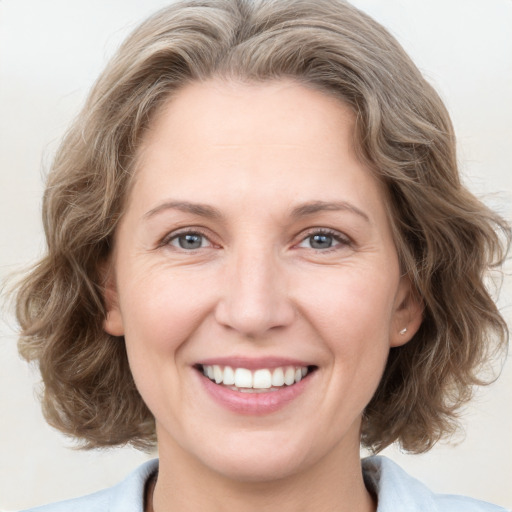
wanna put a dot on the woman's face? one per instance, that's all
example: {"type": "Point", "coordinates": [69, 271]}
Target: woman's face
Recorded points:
{"type": "Point", "coordinates": [256, 247]}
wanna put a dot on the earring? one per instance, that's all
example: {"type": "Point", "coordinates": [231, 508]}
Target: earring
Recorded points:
{"type": "Point", "coordinates": [403, 331]}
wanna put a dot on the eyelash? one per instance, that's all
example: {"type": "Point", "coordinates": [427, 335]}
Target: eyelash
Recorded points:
{"type": "Point", "coordinates": [175, 235]}
{"type": "Point", "coordinates": [341, 239]}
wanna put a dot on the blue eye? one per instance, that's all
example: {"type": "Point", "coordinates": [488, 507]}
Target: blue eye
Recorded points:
{"type": "Point", "coordinates": [323, 240]}
{"type": "Point", "coordinates": [189, 241]}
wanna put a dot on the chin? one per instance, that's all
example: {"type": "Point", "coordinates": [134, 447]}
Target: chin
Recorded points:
{"type": "Point", "coordinates": [254, 468]}
{"type": "Point", "coordinates": [260, 456]}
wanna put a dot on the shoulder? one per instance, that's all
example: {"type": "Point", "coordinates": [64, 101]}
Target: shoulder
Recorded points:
{"type": "Point", "coordinates": [397, 491]}
{"type": "Point", "coordinates": [127, 496]}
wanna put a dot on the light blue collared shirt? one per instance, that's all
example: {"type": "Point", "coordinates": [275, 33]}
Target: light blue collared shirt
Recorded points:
{"type": "Point", "coordinates": [396, 491]}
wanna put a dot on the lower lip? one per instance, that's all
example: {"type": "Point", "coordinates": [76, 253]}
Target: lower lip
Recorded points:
{"type": "Point", "coordinates": [254, 403]}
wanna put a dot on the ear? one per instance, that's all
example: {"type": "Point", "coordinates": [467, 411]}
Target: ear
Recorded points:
{"type": "Point", "coordinates": [113, 322]}
{"type": "Point", "coordinates": [408, 314]}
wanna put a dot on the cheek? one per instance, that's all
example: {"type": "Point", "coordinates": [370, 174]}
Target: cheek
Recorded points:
{"type": "Point", "coordinates": [352, 314]}
{"type": "Point", "coordinates": [162, 309]}
{"type": "Point", "coordinates": [351, 304]}
{"type": "Point", "coordinates": [161, 313]}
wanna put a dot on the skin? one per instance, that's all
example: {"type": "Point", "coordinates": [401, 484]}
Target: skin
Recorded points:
{"type": "Point", "coordinates": [257, 287]}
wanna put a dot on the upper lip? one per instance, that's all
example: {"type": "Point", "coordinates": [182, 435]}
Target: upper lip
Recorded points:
{"type": "Point", "coordinates": [252, 363]}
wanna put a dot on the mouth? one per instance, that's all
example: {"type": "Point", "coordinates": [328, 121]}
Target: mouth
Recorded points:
{"type": "Point", "coordinates": [260, 380]}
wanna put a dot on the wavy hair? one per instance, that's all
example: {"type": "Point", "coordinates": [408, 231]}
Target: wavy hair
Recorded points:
{"type": "Point", "coordinates": [446, 239]}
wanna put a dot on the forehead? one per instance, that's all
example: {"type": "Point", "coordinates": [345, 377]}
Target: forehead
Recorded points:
{"type": "Point", "coordinates": [225, 115]}
{"type": "Point", "coordinates": [292, 139]}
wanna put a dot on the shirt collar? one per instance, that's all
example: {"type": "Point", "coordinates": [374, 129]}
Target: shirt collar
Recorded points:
{"type": "Point", "coordinates": [394, 488]}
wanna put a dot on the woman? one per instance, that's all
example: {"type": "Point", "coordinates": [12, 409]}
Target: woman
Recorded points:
{"type": "Point", "coordinates": [260, 254]}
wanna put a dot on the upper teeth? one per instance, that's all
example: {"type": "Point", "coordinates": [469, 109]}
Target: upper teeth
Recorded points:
{"type": "Point", "coordinates": [257, 379]}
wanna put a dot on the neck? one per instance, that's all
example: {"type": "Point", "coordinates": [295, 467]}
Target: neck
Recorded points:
{"type": "Point", "coordinates": [334, 484]}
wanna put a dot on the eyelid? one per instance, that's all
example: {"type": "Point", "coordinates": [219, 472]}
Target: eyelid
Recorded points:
{"type": "Point", "coordinates": [188, 230]}
{"type": "Point", "coordinates": [339, 236]}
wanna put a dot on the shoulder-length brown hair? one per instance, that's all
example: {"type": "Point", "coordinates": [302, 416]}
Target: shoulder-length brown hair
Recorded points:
{"type": "Point", "coordinates": [446, 239]}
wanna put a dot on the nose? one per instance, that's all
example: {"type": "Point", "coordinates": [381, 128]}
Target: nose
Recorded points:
{"type": "Point", "coordinates": [254, 298]}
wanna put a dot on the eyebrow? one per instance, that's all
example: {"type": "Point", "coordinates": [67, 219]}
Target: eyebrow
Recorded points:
{"type": "Point", "coordinates": [313, 207]}
{"type": "Point", "coordinates": [202, 210]}
{"type": "Point", "coordinates": [303, 210]}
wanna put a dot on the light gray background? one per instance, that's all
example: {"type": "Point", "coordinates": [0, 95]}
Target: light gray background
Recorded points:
{"type": "Point", "coordinates": [50, 53]}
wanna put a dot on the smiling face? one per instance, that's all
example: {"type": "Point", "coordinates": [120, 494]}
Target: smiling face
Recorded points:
{"type": "Point", "coordinates": [256, 248]}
